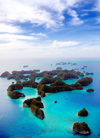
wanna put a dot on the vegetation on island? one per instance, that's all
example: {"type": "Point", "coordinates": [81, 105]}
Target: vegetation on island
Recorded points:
{"type": "Point", "coordinates": [69, 75]}
{"type": "Point", "coordinates": [15, 87]}
{"type": "Point", "coordinates": [33, 101]}
{"type": "Point", "coordinates": [85, 81]}
{"type": "Point", "coordinates": [15, 94]}
{"type": "Point", "coordinates": [37, 111]}
{"type": "Point", "coordinates": [59, 86]}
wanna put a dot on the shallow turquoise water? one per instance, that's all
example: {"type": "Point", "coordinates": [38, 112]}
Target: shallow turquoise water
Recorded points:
{"type": "Point", "coordinates": [17, 121]}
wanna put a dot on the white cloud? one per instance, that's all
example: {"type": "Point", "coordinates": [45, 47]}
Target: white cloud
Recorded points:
{"type": "Point", "coordinates": [98, 20]}
{"type": "Point", "coordinates": [73, 3]}
{"type": "Point", "coordinates": [12, 37]}
{"type": "Point", "coordinates": [84, 14]}
{"type": "Point", "coordinates": [23, 12]}
{"type": "Point", "coordinates": [97, 6]}
{"type": "Point", "coordinates": [58, 44]}
{"type": "Point", "coordinates": [8, 28]}
{"type": "Point", "coordinates": [46, 12]}
{"type": "Point", "coordinates": [86, 48]}
{"type": "Point", "coordinates": [16, 44]}
{"type": "Point", "coordinates": [21, 49]}
{"type": "Point", "coordinates": [75, 20]}
{"type": "Point", "coordinates": [39, 34]}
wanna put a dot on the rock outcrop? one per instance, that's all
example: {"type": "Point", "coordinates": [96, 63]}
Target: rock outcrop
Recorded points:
{"type": "Point", "coordinates": [81, 128]}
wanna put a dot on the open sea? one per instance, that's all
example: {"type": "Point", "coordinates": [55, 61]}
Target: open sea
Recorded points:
{"type": "Point", "coordinates": [17, 121]}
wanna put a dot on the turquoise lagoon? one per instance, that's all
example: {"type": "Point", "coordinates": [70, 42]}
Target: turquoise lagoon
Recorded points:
{"type": "Point", "coordinates": [17, 121]}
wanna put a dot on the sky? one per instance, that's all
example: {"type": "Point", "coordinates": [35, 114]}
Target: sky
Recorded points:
{"type": "Point", "coordinates": [49, 29]}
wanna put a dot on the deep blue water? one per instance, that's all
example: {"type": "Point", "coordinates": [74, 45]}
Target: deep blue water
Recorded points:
{"type": "Point", "coordinates": [17, 121]}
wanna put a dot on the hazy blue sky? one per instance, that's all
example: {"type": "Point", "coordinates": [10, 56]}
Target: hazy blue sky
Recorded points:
{"type": "Point", "coordinates": [49, 28]}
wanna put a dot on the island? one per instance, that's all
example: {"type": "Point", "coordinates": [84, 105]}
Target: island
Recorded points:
{"type": "Point", "coordinates": [90, 90]}
{"type": "Point", "coordinates": [5, 74]}
{"type": "Point", "coordinates": [56, 83]}
{"type": "Point", "coordinates": [35, 104]}
{"type": "Point", "coordinates": [59, 68]}
{"type": "Point", "coordinates": [25, 66]}
{"type": "Point", "coordinates": [87, 73]}
{"type": "Point", "coordinates": [55, 79]}
{"type": "Point", "coordinates": [81, 128]}
{"type": "Point", "coordinates": [83, 112]}
{"type": "Point", "coordinates": [59, 85]}
{"type": "Point", "coordinates": [55, 101]}
{"type": "Point", "coordinates": [15, 94]}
